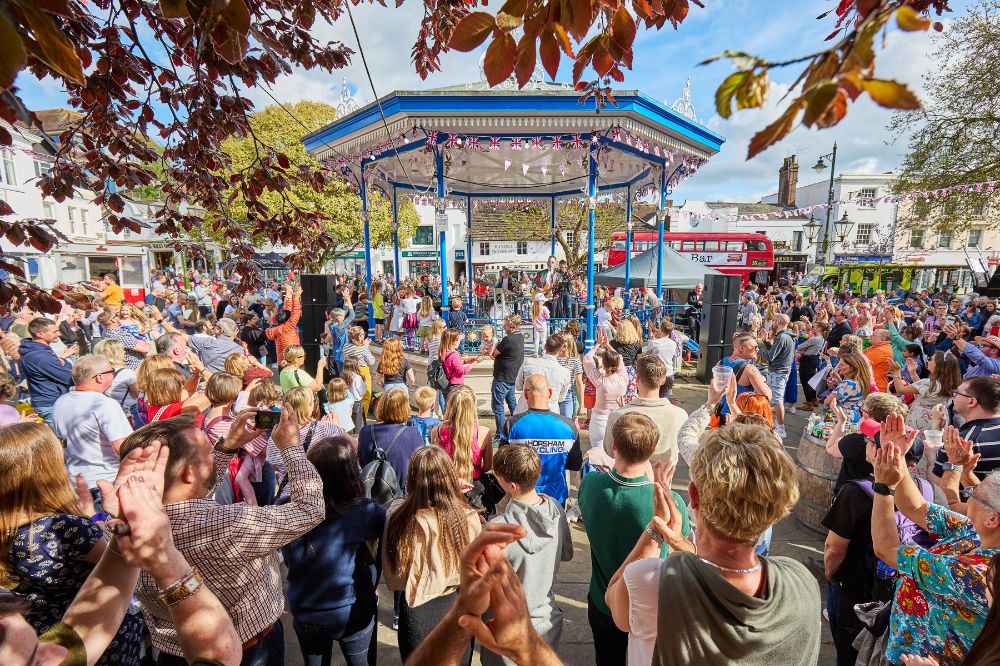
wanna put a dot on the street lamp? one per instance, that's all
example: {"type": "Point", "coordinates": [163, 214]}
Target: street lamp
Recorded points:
{"type": "Point", "coordinates": [819, 167]}
{"type": "Point", "coordinates": [812, 231]}
{"type": "Point", "coordinates": [843, 227]}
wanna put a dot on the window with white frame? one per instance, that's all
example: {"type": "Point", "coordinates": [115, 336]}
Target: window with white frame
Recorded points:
{"type": "Point", "coordinates": [522, 247]}
{"type": "Point", "coordinates": [917, 238]}
{"type": "Point", "coordinates": [864, 233]}
{"type": "Point", "coordinates": [864, 197]}
{"type": "Point", "coordinates": [7, 174]}
{"type": "Point", "coordinates": [570, 237]}
{"type": "Point", "coordinates": [978, 210]}
{"type": "Point", "coordinates": [71, 216]}
{"type": "Point", "coordinates": [48, 212]}
{"type": "Point", "coordinates": [974, 238]}
{"type": "Point", "coordinates": [42, 167]}
{"type": "Point", "coordinates": [83, 222]}
{"type": "Point", "coordinates": [944, 239]}
{"type": "Point", "coordinates": [484, 249]}
{"type": "Point", "coordinates": [797, 241]}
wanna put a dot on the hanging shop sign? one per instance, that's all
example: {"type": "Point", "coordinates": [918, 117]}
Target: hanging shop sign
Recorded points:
{"type": "Point", "coordinates": [419, 254]}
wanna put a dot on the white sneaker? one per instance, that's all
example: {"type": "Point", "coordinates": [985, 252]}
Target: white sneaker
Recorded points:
{"type": "Point", "coordinates": [573, 514]}
{"type": "Point", "coordinates": [780, 432]}
{"type": "Point", "coordinates": [791, 410]}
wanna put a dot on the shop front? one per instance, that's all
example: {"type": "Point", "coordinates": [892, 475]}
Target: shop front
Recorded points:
{"type": "Point", "coordinates": [79, 263]}
{"type": "Point", "coordinates": [789, 266]}
{"type": "Point", "coordinates": [421, 262]}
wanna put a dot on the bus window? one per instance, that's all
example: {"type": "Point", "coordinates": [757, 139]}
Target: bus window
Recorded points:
{"type": "Point", "coordinates": [707, 246]}
{"type": "Point", "coordinates": [618, 245]}
{"type": "Point", "coordinates": [731, 246]}
{"type": "Point", "coordinates": [687, 245]}
{"type": "Point", "coordinates": [756, 246]}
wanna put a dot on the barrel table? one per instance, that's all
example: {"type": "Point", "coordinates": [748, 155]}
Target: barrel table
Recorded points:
{"type": "Point", "coordinates": [816, 472]}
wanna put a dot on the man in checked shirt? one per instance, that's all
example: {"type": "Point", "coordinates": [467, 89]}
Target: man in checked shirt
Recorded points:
{"type": "Point", "coordinates": [233, 547]}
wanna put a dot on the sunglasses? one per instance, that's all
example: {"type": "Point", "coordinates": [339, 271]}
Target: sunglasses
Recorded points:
{"type": "Point", "coordinates": [106, 372]}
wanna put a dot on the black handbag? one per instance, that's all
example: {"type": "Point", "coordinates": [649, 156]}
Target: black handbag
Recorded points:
{"type": "Point", "coordinates": [486, 493]}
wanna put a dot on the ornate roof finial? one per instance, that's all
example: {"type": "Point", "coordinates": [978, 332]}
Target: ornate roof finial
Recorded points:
{"type": "Point", "coordinates": [347, 102]}
{"type": "Point", "coordinates": [683, 105]}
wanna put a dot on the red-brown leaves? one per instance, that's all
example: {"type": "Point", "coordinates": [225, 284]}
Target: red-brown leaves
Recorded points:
{"type": "Point", "coordinates": [472, 31]}
{"type": "Point", "coordinates": [500, 58]}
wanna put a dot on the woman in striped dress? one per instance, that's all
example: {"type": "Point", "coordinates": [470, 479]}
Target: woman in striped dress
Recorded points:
{"type": "Point", "coordinates": [357, 348]}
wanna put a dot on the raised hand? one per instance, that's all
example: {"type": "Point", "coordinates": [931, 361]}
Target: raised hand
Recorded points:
{"type": "Point", "coordinates": [959, 451]}
{"type": "Point", "coordinates": [838, 412]}
{"type": "Point", "coordinates": [478, 561]}
{"type": "Point", "coordinates": [894, 432]}
{"type": "Point", "coordinates": [149, 462]}
{"type": "Point", "coordinates": [890, 465]}
{"type": "Point", "coordinates": [148, 544]}
{"type": "Point", "coordinates": [83, 495]}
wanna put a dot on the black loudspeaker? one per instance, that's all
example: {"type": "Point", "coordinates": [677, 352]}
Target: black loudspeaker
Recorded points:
{"type": "Point", "coordinates": [718, 321]}
{"type": "Point", "coordinates": [318, 289]}
{"type": "Point", "coordinates": [312, 358]}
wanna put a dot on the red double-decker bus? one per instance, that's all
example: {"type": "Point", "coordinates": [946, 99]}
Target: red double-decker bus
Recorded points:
{"type": "Point", "coordinates": [730, 253]}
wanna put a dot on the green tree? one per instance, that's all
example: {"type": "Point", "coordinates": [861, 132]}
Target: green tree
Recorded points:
{"type": "Point", "coordinates": [276, 128]}
{"type": "Point", "coordinates": [955, 137]}
{"type": "Point", "coordinates": [532, 223]}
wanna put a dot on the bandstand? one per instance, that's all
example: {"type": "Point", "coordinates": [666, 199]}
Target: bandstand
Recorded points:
{"type": "Point", "coordinates": [471, 146]}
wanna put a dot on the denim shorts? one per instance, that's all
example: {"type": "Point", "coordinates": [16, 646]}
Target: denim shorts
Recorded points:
{"type": "Point", "coordinates": [776, 381]}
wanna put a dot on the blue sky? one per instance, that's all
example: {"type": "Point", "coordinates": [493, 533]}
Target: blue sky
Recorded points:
{"type": "Point", "coordinates": [663, 61]}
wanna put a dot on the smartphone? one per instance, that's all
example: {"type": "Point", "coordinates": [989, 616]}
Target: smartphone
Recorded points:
{"type": "Point", "coordinates": [266, 419]}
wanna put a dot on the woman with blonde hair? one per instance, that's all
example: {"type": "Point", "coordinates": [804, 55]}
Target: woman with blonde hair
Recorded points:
{"type": "Point", "coordinates": [425, 533]}
{"type": "Point", "coordinates": [49, 545]}
{"type": "Point", "coordinates": [627, 342]}
{"type": "Point", "coordinates": [854, 386]}
{"type": "Point", "coordinates": [425, 316]}
{"type": "Point", "coordinates": [124, 389]}
{"type": "Point", "coordinates": [610, 380]}
{"type": "Point", "coordinates": [312, 429]}
{"type": "Point", "coordinates": [378, 309]}
{"type": "Point", "coordinates": [393, 370]}
{"type": "Point", "coordinates": [933, 391]}
{"type": "Point", "coordinates": [455, 365]}
{"type": "Point", "coordinates": [461, 437]}
{"type": "Point", "coordinates": [292, 373]}
{"type": "Point", "coordinates": [239, 364]}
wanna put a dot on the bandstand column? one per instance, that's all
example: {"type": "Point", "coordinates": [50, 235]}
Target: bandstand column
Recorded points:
{"type": "Point", "coordinates": [628, 240]}
{"type": "Point", "coordinates": [661, 214]}
{"type": "Point", "coordinates": [468, 249]}
{"type": "Point", "coordinates": [552, 226]}
{"type": "Point", "coordinates": [368, 250]}
{"type": "Point", "coordinates": [591, 214]}
{"type": "Point", "coordinates": [395, 239]}
{"type": "Point", "coordinates": [441, 222]}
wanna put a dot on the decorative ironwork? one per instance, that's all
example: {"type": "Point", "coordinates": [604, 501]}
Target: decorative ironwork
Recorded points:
{"type": "Point", "coordinates": [347, 104]}
{"type": "Point", "coordinates": [683, 105]}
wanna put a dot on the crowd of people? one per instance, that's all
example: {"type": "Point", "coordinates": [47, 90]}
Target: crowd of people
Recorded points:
{"type": "Point", "coordinates": [180, 451]}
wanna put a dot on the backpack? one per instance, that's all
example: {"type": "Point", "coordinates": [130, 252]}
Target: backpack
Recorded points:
{"type": "Point", "coordinates": [909, 532]}
{"type": "Point", "coordinates": [378, 478]}
{"type": "Point", "coordinates": [436, 375]}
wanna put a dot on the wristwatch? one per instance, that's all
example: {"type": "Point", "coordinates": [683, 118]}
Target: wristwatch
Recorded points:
{"type": "Point", "coordinates": [951, 467]}
{"type": "Point", "coordinates": [181, 590]}
{"type": "Point", "coordinates": [220, 446]}
{"type": "Point", "coordinates": [653, 534]}
{"type": "Point", "coordinates": [883, 489]}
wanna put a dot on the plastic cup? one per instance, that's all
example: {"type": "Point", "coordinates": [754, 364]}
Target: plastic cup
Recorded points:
{"type": "Point", "coordinates": [933, 437]}
{"type": "Point", "coordinates": [721, 375]}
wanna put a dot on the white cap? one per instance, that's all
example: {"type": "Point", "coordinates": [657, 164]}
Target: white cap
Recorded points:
{"type": "Point", "coordinates": [541, 297]}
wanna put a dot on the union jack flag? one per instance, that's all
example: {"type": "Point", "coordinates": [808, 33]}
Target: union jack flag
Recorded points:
{"type": "Point", "coordinates": [452, 140]}
{"type": "Point", "coordinates": [473, 143]}
{"type": "Point", "coordinates": [515, 144]}
{"type": "Point", "coordinates": [628, 138]}
{"type": "Point", "coordinates": [536, 143]}
{"type": "Point", "coordinates": [556, 140]}
{"type": "Point", "coordinates": [495, 143]}
{"type": "Point", "coordinates": [432, 137]}
{"type": "Point", "coordinates": [577, 141]}
{"type": "Point", "coordinates": [656, 150]}
{"type": "Point", "coordinates": [616, 134]}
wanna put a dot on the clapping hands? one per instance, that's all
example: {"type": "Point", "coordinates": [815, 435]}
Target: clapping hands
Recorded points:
{"type": "Point", "coordinates": [959, 451]}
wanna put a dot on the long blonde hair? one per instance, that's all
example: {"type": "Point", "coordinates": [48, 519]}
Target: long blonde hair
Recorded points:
{"type": "Point", "coordinates": [460, 416]}
{"type": "Point", "coordinates": [426, 306]}
{"type": "Point", "coordinates": [858, 364]}
{"type": "Point", "coordinates": [33, 483]}
{"type": "Point", "coordinates": [148, 366]}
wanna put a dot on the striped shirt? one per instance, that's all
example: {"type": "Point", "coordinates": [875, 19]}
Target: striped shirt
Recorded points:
{"type": "Point", "coordinates": [985, 435]}
{"type": "Point", "coordinates": [234, 548]}
{"type": "Point", "coordinates": [361, 353]}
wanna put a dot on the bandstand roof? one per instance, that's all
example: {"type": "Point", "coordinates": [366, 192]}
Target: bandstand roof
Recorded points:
{"type": "Point", "coordinates": [504, 142]}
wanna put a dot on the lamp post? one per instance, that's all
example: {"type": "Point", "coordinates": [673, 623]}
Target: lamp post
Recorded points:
{"type": "Point", "coordinates": [812, 231]}
{"type": "Point", "coordinates": [819, 167]}
{"type": "Point", "coordinates": [843, 228]}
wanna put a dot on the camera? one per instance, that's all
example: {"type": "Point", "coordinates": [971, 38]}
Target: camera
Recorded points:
{"type": "Point", "coordinates": [266, 419]}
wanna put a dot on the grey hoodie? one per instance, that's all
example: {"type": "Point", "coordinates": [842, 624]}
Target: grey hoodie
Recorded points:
{"type": "Point", "coordinates": [536, 559]}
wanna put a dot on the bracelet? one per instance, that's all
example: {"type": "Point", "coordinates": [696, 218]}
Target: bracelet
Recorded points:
{"type": "Point", "coordinates": [101, 517]}
{"type": "Point", "coordinates": [653, 534]}
{"type": "Point", "coordinates": [951, 467]}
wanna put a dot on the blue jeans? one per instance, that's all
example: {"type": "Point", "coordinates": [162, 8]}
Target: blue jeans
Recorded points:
{"type": "Point", "coordinates": [566, 406]}
{"type": "Point", "coordinates": [46, 414]}
{"type": "Point", "coordinates": [501, 393]}
{"type": "Point", "coordinates": [269, 651]}
{"type": "Point", "coordinates": [355, 631]}
{"type": "Point", "coordinates": [265, 489]}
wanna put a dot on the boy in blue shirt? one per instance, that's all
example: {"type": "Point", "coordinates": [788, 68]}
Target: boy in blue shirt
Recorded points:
{"type": "Point", "coordinates": [426, 399]}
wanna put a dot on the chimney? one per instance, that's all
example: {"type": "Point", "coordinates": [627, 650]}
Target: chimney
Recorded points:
{"type": "Point", "coordinates": [788, 182]}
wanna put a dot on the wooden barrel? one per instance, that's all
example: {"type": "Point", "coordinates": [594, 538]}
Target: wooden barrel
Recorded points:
{"type": "Point", "coordinates": [817, 471]}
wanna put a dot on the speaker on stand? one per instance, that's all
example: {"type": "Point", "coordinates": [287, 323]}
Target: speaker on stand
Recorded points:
{"type": "Point", "coordinates": [318, 293]}
{"type": "Point", "coordinates": [718, 322]}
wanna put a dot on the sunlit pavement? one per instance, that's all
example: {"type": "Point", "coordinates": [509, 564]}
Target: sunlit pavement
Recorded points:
{"type": "Point", "coordinates": [790, 538]}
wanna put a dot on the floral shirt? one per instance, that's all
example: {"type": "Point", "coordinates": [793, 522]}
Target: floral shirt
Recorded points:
{"type": "Point", "coordinates": [940, 605]}
{"type": "Point", "coordinates": [850, 397]}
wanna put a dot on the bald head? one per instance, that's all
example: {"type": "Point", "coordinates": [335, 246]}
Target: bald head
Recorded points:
{"type": "Point", "coordinates": [881, 336]}
{"type": "Point", "coordinates": [537, 392]}
{"type": "Point", "coordinates": [780, 321]}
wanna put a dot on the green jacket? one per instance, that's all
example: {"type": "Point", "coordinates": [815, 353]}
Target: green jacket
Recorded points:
{"type": "Point", "coordinates": [898, 343]}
